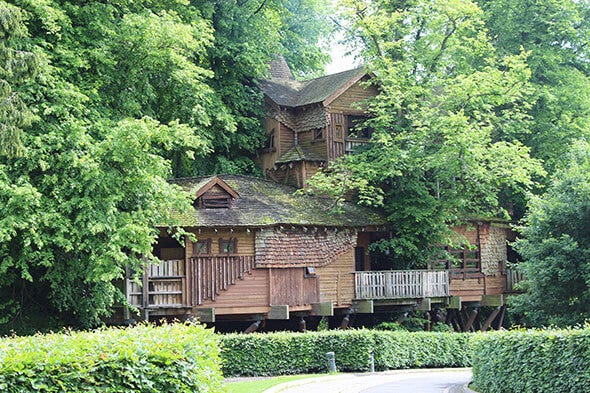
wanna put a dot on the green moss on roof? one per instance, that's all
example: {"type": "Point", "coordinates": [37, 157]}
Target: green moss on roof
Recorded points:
{"type": "Point", "coordinates": [266, 203]}
{"type": "Point", "coordinates": [299, 153]}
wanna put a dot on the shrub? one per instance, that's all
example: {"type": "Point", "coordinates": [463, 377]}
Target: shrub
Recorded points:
{"type": "Point", "coordinates": [169, 358]}
{"type": "Point", "coordinates": [293, 353]}
{"type": "Point", "coordinates": [532, 361]}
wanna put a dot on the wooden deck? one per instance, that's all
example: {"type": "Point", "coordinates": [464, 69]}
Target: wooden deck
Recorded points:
{"type": "Point", "coordinates": [401, 284]}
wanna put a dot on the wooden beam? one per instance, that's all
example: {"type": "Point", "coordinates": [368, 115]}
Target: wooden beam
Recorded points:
{"type": "Point", "coordinates": [205, 314]}
{"type": "Point", "coordinates": [362, 306]}
{"type": "Point", "coordinates": [500, 319]}
{"type": "Point", "coordinates": [493, 300]}
{"type": "Point", "coordinates": [279, 312]}
{"type": "Point", "coordinates": [490, 319]}
{"type": "Point", "coordinates": [424, 305]}
{"type": "Point", "coordinates": [454, 302]}
{"type": "Point", "coordinates": [324, 309]}
{"type": "Point", "coordinates": [472, 316]}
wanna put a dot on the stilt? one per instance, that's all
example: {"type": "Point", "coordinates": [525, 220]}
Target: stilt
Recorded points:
{"type": "Point", "coordinates": [253, 327]}
{"type": "Point", "coordinates": [490, 319]}
{"type": "Point", "coordinates": [302, 325]}
{"type": "Point", "coordinates": [345, 322]}
{"type": "Point", "coordinates": [472, 316]}
{"type": "Point", "coordinates": [500, 319]}
{"type": "Point", "coordinates": [454, 321]}
{"type": "Point", "coordinates": [460, 321]}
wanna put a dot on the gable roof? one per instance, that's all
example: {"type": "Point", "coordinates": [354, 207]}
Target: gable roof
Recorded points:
{"type": "Point", "coordinates": [264, 203]}
{"type": "Point", "coordinates": [292, 93]}
{"type": "Point", "coordinates": [208, 183]}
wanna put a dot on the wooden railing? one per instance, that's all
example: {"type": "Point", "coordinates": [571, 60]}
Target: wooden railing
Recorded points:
{"type": "Point", "coordinates": [401, 284]}
{"type": "Point", "coordinates": [163, 285]}
{"type": "Point", "coordinates": [211, 275]}
{"type": "Point", "coordinates": [352, 143]}
{"type": "Point", "coordinates": [513, 277]}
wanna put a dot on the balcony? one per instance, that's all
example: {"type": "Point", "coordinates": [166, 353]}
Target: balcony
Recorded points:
{"type": "Point", "coordinates": [350, 144]}
{"type": "Point", "coordinates": [401, 284]}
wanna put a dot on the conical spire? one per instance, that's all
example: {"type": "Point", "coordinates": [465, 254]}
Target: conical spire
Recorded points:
{"type": "Point", "coordinates": [279, 69]}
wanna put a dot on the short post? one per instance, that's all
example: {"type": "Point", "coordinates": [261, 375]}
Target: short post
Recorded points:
{"type": "Point", "coordinates": [331, 362]}
{"type": "Point", "coordinates": [372, 360]}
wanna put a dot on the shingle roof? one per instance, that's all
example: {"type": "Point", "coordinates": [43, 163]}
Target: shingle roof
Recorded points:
{"type": "Point", "coordinates": [264, 203]}
{"type": "Point", "coordinates": [299, 153]}
{"type": "Point", "coordinates": [288, 92]}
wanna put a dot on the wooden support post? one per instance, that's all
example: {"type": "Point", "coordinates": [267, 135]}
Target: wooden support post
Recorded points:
{"type": "Point", "coordinates": [425, 305]}
{"type": "Point", "coordinates": [205, 314]}
{"type": "Point", "coordinates": [325, 309]}
{"type": "Point", "coordinates": [362, 306]}
{"type": "Point", "coordinates": [460, 320]}
{"type": "Point", "coordinates": [345, 322]}
{"type": "Point", "coordinates": [472, 316]}
{"type": "Point", "coordinates": [302, 325]}
{"type": "Point", "coordinates": [500, 319]}
{"type": "Point", "coordinates": [454, 302]}
{"type": "Point", "coordinates": [253, 327]}
{"type": "Point", "coordinates": [454, 322]}
{"type": "Point", "coordinates": [427, 324]}
{"type": "Point", "coordinates": [279, 312]}
{"type": "Point", "coordinates": [490, 319]}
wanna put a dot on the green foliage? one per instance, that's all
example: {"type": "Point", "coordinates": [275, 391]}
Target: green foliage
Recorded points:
{"type": "Point", "coordinates": [293, 353]}
{"type": "Point", "coordinates": [556, 248]}
{"type": "Point", "coordinates": [444, 95]}
{"type": "Point", "coordinates": [108, 100]}
{"type": "Point", "coordinates": [556, 34]}
{"type": "Point", "coordinates": [532, 361]}
{"type": "Point", "coordinates": [170, 358]}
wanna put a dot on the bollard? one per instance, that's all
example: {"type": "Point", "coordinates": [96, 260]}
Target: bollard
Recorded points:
{"type": "Point", "coordinates": [372, 360]}
{"type": "Point", "coordinates": [331, 362]}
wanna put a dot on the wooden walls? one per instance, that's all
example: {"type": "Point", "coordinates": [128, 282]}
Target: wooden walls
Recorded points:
{"type": "Point", "coordinates": [293, 287]}
{"type": "Point", "coordinates": [337, 281]}
{"type": "Point", "coordinates": [351, 101]}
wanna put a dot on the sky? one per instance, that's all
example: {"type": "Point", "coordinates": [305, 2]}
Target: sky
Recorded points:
{"type": "Point", "coordinates": [340, 62]}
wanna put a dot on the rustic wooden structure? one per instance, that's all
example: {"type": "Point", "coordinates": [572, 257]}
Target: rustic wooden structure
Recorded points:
{"type": "Point", "coordinates": [262, 252]}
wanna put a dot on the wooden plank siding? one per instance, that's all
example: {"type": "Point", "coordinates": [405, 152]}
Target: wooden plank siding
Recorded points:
{"type": "Point", "coordinates": [290, 286]}
{"type": "Point", "coordinates": [349, 101]}
{"type": "Point", "coordinates": [337, 281]}
{"type": "Point", "coordinates": [336, 142]}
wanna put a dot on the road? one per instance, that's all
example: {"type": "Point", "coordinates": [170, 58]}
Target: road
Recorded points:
{"type": "Point", "coordinates": [433, 382]}
{"type": "Point", "coordinates": [406, 381]}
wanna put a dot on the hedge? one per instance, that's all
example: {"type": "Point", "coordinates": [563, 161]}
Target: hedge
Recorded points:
{"type": "Point", "coordinates": [532, 361]}
{"type": "Point", "coordinates": [169, 358]}
{"type": "Point", "coordinates": [294, 353]}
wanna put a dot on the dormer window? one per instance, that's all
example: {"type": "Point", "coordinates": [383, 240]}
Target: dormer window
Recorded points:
{"type": "Point", "coordinates": [215, 194]}
{"type": "Point", "coordinates": [269, 146]}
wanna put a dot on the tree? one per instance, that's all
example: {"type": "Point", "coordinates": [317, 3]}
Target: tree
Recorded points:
{"type": "Point", "coordinates": [556, 34]}
{"type": "Point", "coordinates": [16, 64]}
{"type": "Point", "coordinates": [556, 247]}
{"type": "Point", "coordinates": [444, 93]}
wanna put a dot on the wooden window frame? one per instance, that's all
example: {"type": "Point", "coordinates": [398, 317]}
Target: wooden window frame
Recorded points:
{"type": "Point", "coordinates": [465, 262]}
{"type": "Point", "coordinates": [232, 246]}
{"type": "Point", "coordinates": [196, 247]}
{"type": "Point", "coordinates": [338, 132]}
{"type": "Point", "coordinates": [317, 134]}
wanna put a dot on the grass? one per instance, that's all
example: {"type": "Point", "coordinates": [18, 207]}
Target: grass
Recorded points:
{"type": "Point", "coordinates": [260, 385]}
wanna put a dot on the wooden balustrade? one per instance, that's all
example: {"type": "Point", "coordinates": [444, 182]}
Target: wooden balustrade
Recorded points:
{"type": "Point", "coordinates": [210, 275]}
{"type": "Point", "coordinates": [401, 284]}
{"type": "Point", "coordinates": [352, 143]}
{"type": "Point", "coordinates": [513, 277]}
{"type": "Point", "coordinates": [162, 286]}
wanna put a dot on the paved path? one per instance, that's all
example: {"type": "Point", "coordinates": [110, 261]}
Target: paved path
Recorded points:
{"type": "Point", "coordinates": [411, 381]}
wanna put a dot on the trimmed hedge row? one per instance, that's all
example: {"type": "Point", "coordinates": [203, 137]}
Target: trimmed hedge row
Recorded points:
{"type": "Point", "coordinates": [532, 361]}
{"type": "Point", "coordinates": [169, 358]}
{"type": "Point", "coordinates": [295, 353]}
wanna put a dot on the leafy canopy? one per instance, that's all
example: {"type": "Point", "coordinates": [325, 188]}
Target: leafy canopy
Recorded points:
{"type": "Point", "coordinates": [556, 247]}
{"type": "Point", "coordinates": [444, 96]}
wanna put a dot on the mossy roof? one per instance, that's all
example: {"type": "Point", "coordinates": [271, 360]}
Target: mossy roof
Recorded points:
{"type": "Point", "coordinates": [265, 203]}
{"type": "Point", "coordinates": [292, 93]}
{"type": "Point", "coordinates": [299, 153]}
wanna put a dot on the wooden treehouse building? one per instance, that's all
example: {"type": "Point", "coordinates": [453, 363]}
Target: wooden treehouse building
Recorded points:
{"type": "Point", "coordinates": [264, 252]}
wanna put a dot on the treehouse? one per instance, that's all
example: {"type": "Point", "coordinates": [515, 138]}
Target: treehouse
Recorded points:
{"type": "Point", "coordinates": [263, 252]}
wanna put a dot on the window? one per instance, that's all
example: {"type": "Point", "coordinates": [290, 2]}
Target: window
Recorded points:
{"type": "Point", "coordinates": [466, 258]}
{"type": "Point", "coordinates": [318, 133]}
{"type": "Point", "coordinates": [357, 127]}
{"type": "Point", "coordinates": [269, 146]}
{"type": "Point", "coordinates": [212, 201]}
{"type": "Point", "coordinates": [338, 133]}
{"type": "Point", "coordinates": [228, 246]}
{"type": "Point", "coordinates": [202, 247]}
